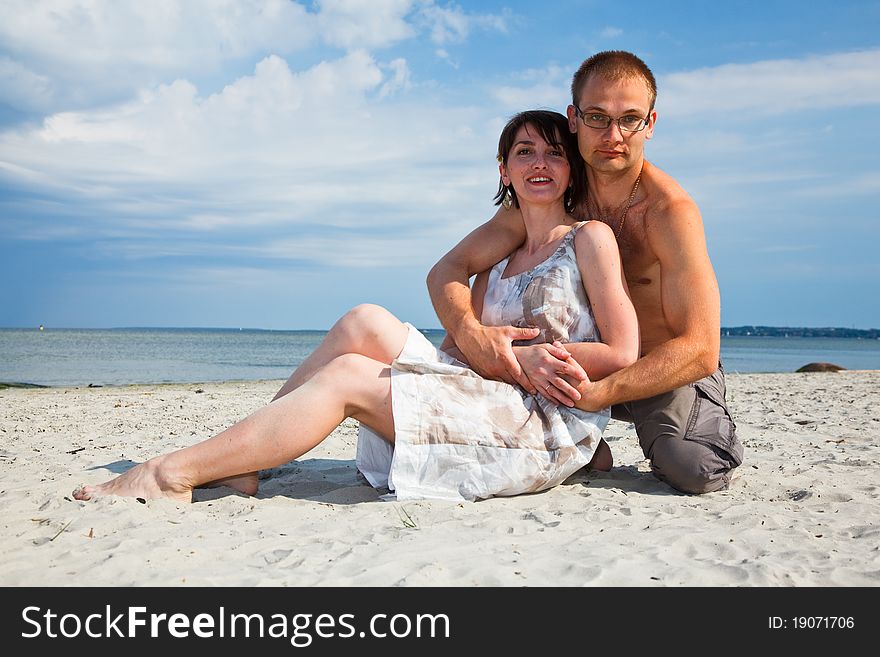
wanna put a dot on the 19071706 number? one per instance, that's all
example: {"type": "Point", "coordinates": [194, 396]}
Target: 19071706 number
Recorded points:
{"type": "Point", "coordinates": [811, 623]}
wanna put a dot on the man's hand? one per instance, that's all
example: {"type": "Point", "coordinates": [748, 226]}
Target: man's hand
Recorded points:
{"type": "Point", "coordinates": [489, 352]}
{"type": "Point", "coordinates": [552, 370]}
{"type": "Point", "coordinates": [593, 395]}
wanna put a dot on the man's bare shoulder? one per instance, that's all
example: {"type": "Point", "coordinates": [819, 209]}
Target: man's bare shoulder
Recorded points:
{"type": "Point", "coordinates": [674, 229]}
{"type": "Point", "coordinates": [667, 200]}
{"type": "Point", "coordinates": [664, 191]}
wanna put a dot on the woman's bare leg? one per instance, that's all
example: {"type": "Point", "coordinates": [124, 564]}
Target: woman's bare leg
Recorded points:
{"type": "Point", "coordinates": [602, 458]}
{"type": "Point", "coordinates": [368, 330]}
{"type": "Point", "coordinates": [348, 386]}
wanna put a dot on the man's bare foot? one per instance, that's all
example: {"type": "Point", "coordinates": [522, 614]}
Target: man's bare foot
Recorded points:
{"type": "Point", "coordinates": [145, 481]}
{"type": "Point", "coordinates": [248, 483]}
{"type": "Point", "coordinates": [602, 458]}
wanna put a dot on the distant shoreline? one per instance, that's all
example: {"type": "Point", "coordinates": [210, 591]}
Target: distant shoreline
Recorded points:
{"type": "Point", "coordinates": [799, 332]}
{"type": "Point", "coordinates": [726, 331]}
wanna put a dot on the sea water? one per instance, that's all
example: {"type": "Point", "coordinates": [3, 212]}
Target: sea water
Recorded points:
{"type": "Point", "coordinates": [75, 357]}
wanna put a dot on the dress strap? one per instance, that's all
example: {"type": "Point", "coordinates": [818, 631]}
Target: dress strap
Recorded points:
{"type": "Point", "coordinates": [569, 236]}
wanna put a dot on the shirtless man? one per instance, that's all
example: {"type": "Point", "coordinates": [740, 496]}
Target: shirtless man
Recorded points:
{"type": "Point", "coordinates": [675, 392]}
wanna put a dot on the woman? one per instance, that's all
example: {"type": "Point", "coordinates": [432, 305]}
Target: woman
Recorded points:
{"type": "Point", "coordinates": [430, 426]}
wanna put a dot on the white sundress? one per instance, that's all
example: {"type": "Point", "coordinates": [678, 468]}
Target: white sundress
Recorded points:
{"type": "Point", "coordinates": [459, 436]}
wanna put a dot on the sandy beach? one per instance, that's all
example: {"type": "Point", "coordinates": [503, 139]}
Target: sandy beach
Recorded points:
{"type": "Point", "coordinates": [803, 509]}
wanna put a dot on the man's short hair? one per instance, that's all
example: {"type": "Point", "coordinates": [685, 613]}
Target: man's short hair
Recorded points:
{"type": "Point", "coordinates": [613, 65]}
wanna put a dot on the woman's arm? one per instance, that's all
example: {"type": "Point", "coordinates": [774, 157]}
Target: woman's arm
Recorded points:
{"type": "Point", "coordinates": [598, 259]}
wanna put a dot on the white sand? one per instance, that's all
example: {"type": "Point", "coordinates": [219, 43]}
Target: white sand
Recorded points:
{"type": "Point", "coordinates": [803, 510]}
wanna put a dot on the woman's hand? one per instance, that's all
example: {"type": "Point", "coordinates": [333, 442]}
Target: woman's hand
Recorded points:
{"type": "Point", "coordinates": [552, 370]}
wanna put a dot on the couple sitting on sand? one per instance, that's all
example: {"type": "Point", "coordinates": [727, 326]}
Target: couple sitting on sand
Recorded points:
{"type": "Point", "coordinates": [540, 353]}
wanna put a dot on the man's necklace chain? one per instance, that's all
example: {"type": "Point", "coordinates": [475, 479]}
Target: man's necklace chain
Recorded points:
{"type": "Point", "coordinates": [607, 218]}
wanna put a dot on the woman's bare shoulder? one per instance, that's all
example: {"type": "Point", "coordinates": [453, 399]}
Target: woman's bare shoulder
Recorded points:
{"type": "Point", "coordinates": [593, 235]}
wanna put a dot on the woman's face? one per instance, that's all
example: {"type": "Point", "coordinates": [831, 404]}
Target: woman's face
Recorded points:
{"type": "Point", "coordinates": [538, 171]}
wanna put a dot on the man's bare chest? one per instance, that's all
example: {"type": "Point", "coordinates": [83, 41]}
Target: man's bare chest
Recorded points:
{"type": "Point", "coordinates": [641, 266]}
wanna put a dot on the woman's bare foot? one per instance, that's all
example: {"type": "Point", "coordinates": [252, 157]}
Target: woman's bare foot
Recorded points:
{"type": "Point", "coordinates": [248, 483]}
{"type": "Point", "coordinates": [146, 481]}
{"type": "Point", "coordinates": [602, 458]}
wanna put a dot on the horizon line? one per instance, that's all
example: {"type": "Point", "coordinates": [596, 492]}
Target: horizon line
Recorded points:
{"type": "Point", "coordinates": [253, 328]}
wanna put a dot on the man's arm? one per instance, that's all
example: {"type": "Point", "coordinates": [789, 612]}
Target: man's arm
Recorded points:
{"type": "Point", "coordinates": [538, 362]}
{"type": "Point", "coordinates": [478, 292]}
{"type": "Point", "coordinates": [487, 349]}
{"type": "Point", "coordinates": [691, 308]}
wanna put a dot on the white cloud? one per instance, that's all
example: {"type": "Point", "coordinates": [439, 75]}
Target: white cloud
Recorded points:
{"type": "Point", "coordinates": [365, 251]}
{"type": "Point", "coordinates": [340, 144]}
{"type": "Point", "coordinates": [545, 87]}
{"type": "Point", "coordinates": [170, 131]}
{"type": "Point", "coordinates": [364, 23]}
{"type": "Point", "coordinates": [774, 86]}
{"type": "Point", "coordinates": [157, 34]}
{"type": "Point", "coordinates": [785, 248]}
{"type": "Point", "coordinates": [446, 25]}
{"type": "Point", "coordinates": [610, 32]}
{"type": "Point", "coordinates": [22, 87]}
{"type": "Point", "coordinates": [65, 54]}
{"type": "Point", "coordinates": [94, 52]}
{"type": "Point", "coordinates": [451, 24]}
{"type": "Point", "coordinates": [400, 78]}
{"type": "Point", "coordinates": [865, 183]}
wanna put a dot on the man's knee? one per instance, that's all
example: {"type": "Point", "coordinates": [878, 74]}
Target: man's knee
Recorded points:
{"type": "Point", "coordinates": [690, 437]}
{"type": "Point", "coordinates": [690, 467]}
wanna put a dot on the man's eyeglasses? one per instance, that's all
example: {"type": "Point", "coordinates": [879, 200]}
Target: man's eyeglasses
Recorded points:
{"type": "Point", "coordinates": [626, 123]}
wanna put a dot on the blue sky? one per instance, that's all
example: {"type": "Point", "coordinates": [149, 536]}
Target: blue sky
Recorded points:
{"type": "Point", "coordinates": [269, 164]}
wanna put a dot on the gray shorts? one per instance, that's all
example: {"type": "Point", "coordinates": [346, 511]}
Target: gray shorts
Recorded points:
{"type": "Point", "coordinates": [688, 434]}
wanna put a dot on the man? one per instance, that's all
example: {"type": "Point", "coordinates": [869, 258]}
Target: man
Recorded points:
{"type": "Point", "coordinates": [675, 392]}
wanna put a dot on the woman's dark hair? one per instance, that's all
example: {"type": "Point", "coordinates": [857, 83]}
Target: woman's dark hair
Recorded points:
{"type": "Point", "coordinates": [553, 128]}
